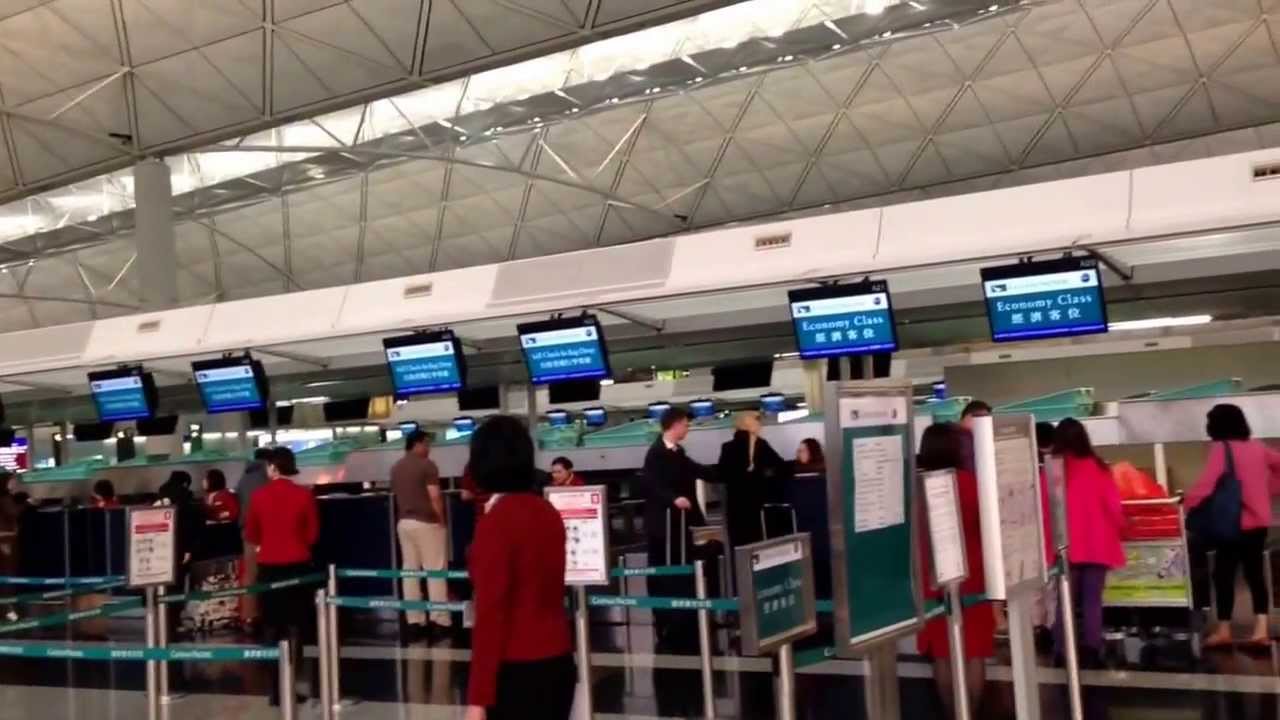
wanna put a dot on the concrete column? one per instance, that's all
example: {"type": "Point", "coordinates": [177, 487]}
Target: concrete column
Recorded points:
{"type": "Point", "coordinates": [815, 379]}
{"type": "Point", "coordinates": [155, 271]}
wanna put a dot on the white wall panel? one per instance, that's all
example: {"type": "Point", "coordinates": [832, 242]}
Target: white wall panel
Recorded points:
{"type": "Point", "coordinates": [456, 295]}
{"type": "Point", "coordinates": [43, 348]}
{"type": "Point", "coordinates": [274, 319]}
{"type": "Point", "coordinates": [150, 335]}
{"type": "Point", "coordinates": [1205, 194]}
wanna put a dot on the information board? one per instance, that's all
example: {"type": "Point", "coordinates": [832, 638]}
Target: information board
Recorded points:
{"type": "Point", "coordinates": [124, 394]}
{"type": "Point", "coordinates": [1009, 488]}
{"type": "Point", "coordinates": [775, 579]}
{"type": "Point", "coordinates": [568, 349]}
{"type": "Point", "coordinates": [585, 511]}
{"type": "Point", "coordinates": [425, 363]}
{"type": "Point", "coordinates": [946, 531]}
{"type": "Point", "coordinates": [869, 496]}
{"type": "Point", "coordinates": [230, 384]}
{"type": "Point", "coordinates": [843, 320]}
{"type": "Point", "coordinates": [16, 457]}
{"type": "Point", "coordinates": [1155, 574]}
{"type": "Point", "coordinates": [1054, 298]}
{"type": "Point", "coordinates": [152, 542]}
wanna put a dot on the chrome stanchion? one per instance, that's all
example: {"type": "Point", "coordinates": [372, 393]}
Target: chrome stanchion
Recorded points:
{"type": "Point", "coordinates": [582, 619]}
{"type": "Point", "coordinates": [323, 647]}
{"type": "Point", "coordinates": [786, 686]}
{"type": "Point", "coordinates": [153, 682]}
{"type": "Point", "coordinates": [1072, 656]}
{"type": "Point", "coordinates": [704, 643]}
{"type": "Point", "coordinates": [959, 679]}
{"type": "Point", "coordinates": [331, 611]}
{"type": "Point", "coordinates": [288, 703]}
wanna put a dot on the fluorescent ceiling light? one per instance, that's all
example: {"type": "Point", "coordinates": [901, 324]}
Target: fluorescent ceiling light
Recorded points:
{"type": "Point", "coordinates": [1161, 322]}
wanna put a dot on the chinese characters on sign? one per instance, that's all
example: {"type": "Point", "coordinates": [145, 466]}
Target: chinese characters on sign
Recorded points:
{"type": "Point", "coordinates": [152, 546]}
{"type": "Point", "coordinates": [586, 528]}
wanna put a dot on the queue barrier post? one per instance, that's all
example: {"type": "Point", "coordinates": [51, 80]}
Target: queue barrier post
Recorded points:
{"type": "Point", "coordinates": [288, 703]}
{"type": "Point", "coordinates": [786, 683]}
{"type": "Point", "coordinates": [959, 678]}
{"type": "Point", "coordinates": [323, 648]}
{"type": "Point", "coordinates": [1066, 606]}
{"type": "Point", "coordinates": [331, 612]}
{"type": "Point", "coordinates": [704, 642]}
{"type": "Point", "coordinates": [153, 670]}
{"type": "Point", "coordinates": [582, 617]}
{"type": "Point", "coordinates": [162, 641]}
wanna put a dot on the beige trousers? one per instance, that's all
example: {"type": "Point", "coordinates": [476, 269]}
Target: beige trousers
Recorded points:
{"type": "Point", "coordinates": [423, 546]}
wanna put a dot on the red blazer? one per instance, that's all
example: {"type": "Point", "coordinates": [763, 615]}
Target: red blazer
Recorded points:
{"type": "Point", "coordinates": [222, 506]}
{"type": "Point", "coordinates": [283, 522]}
{"type": "Point", "coordinates": [517, 572]}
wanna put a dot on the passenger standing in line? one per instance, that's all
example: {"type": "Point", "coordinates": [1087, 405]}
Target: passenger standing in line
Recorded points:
{"type": "Point", "coordinates": [1094, 524]}
{"type": "Point", "coordinates": [253, 478]}
{"type": "Point", "coordinates": [975, 409]}
{"type": "Point", "coordinates": [415, 481]}
{"type": "Point", "coordinates": [751, 471]}
{"type": "Point", "coordinates": [104, 495]}
{"type": "Point", "coordinates": [522, 665]}
{"type": "Point", "coordinates": [669, 487]}
{"type": "Point", "coordinates": [10, 519]}
{"type": "Point", "coordinates": [942, 448]}
{"type": "Point", "coordinates": [810, 460]}
{"type": "Point", "coordinates": [1257, 467]}
{"type": "Point", "coordinates": [562, 474]}
{"type": "Point", "coordinates": [220, 504]}
{"type": "Point", "coordinates": [284, 523]}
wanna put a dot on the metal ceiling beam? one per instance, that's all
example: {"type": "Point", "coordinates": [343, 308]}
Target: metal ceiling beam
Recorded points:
{"type": "Point", "coordinates": [224, 235]}
{"type": "Point", "coordinates": [28, 384]}
{"type": "Point", "coordinates": [655, 325]}
{"type": "Point", "coordinates": [71, 300]}
{"type": "Point", "coordinates": [294, 357]}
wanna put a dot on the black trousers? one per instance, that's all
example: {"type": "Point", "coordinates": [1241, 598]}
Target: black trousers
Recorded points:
{"type": "Point", "coordinates": [1247, 554]}
{"type": "Point", "coordinates": [535, 690]}
{"type": "Point", "coordinates": [289, 614]}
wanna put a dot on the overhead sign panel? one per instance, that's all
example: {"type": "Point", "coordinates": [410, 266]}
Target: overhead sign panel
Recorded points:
{"type": "Point", "coordinates": [1038, 300]}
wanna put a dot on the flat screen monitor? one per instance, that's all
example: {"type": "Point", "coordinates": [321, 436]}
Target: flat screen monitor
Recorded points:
{"type": "Point", "coordinates": [742, 376]}
{"type": "Point", "coordinates": [702, 408]}
{"type": "Point", "coordinates": [464, 425]}
{"type": "Point", "coordinates": [558, 418]}
{"type": "Point", "coordinates": [127, 393]}
{"type": "Point", "coordinates": [233, 384]}
{"type": "Point", "coordinates": [773, 403]}
{"type": "Point", "coordinates": [566, 349]}
{"type": "Point", "coordinates": [485, 397]}
{"type": "Point", "coordinates": [425, 363]}
{"type": "Point", "coordinates": [595, 417]}
{"type": "Point", "coordinates": [1048, 299]}
{"type": "Point", "coordinates": [839, 320]}
{"type": "Point", "coordinates": [657, 409]}
{"type": "Point", "coordinates": [15, 456]}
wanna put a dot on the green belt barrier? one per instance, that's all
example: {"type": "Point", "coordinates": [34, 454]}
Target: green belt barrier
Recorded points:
{"type": "Point", "coordinates": [663, 603]}
{"type": "Point", "coordinates": [66, 581]}
{"type": "Point", "coordinates": [659, 571]}
{"type": "Point", "coordinates": [403, 574]}
{"type": "Point", "coordinates": [70, 617]}
{"type": "Point", "coordinates": [825, 607]}
{"type": "Point", "coordinates": [61, 594]}
{"type": "Point", "coordinates": [257, 589]}
{"type": "Point", "coordinates": [135, 653]}
{"type": "Point", "coordinates": [394, 604]}
{"type": "Point", "coordinates": [813, 656]}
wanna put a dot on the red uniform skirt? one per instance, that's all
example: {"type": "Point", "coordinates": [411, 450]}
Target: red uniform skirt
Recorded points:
{"type": "Point", "coordinates": [979, 634]}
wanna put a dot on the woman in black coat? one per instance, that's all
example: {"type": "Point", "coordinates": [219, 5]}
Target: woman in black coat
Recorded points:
{"type": "Point", "coordinates": [752, 473]}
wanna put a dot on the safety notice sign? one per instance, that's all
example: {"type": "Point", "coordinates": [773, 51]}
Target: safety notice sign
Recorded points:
{"type": "Point", "coordinates": [585, 512]}
{"type": "Point", "coordinates": [152, 546]}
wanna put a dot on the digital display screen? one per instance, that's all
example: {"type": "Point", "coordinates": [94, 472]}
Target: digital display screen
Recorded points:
{"type": "Point", "coordinates": [595, 417]}
{"type": "Point", "coordinates": [125, 394]}
{"type": "Point", "coordinates": [231, 384]}
{"type": "Point", "coordinates": [773, 403]}
{"type": "Point", "coordinates": [569, 349]}
{"type": "Point", "coordinates": [702, 408]}
{"type": "Point", "coordinates": [1038, 300]}
{"type": "Point", "coordinates": [843, 320]}
{"type": "Point", "coordinates": [464, 424]}
{"type": "Point", "coordinates": [15, 457]}
{"type": "Point", "coordinates": [425, 363]}
{"type": "Point", "coordinates": [657, 409]}
{"type": "Point", "coordinates": [557, 418]}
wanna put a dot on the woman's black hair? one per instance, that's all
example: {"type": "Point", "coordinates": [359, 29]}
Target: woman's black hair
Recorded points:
{"type": "Point", "coordinates": [817, 458]}
{"type": "Point", "coordinates": [216, 480]}
{"type": "Point", "coordinates": [502, 456]}
{"type": "Point", "coordinates": [1071, 439]}
{"type": "Point", "coordinates": [941, 448]}
{"type": "Point", "coordinates": [284, 461]}
{"type": "Point", "coordinates": [1227, 422]}
{"type": "Point", "coordinates": [104, 489]}
{"type": "Point", "coordinates": [563, 462]}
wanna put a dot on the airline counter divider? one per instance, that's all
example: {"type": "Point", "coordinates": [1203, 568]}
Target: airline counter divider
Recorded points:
{"type": "Point", "coordinates": [870, 465]}
{"type": "Point", "coordinates": [1009, 491]}
{"type": "Point", "coordinates": [152, 564]}
{"type": "Point", "coordinates": [777, 606]}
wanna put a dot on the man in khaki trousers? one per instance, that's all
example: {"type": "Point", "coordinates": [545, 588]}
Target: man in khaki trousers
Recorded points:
{"type": "Point", "coordinates": [420, 526]}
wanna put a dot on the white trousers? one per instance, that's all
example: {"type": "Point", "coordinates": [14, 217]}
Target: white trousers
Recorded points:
{"type": "Point", "coordinates": [423, 546]}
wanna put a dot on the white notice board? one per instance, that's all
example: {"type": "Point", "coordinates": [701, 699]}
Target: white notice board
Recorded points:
{"type": "Point", "coordinates": [946, 531]}
{"type": "Point", "coordinates": [585, 511]}
{"type": "Point", "coordinates": [1009, 489]}
{"type": "Point", "coordinates": [152, 546]}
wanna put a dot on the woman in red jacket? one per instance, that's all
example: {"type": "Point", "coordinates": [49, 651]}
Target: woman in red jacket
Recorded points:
{"type": "Point", "coordinates": [220, 504]}
{"type": "Point", "coordinates": [521, 651]}
{"type": "Point", "coordinates": [943, 447]}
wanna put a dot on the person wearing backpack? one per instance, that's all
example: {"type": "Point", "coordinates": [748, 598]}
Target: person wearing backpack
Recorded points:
{"type": "Point", "coordinates": [1094, 523]}
{"type": "Point", "coordinates": [1230, 506]}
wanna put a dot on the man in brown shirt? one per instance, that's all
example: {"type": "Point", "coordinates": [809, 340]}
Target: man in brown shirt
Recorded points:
{"type": "Point", "coordinates": [415, 481]}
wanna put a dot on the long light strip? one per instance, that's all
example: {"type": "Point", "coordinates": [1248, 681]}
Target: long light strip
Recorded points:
{"type": "Point", "coordinates": [1161, 322]}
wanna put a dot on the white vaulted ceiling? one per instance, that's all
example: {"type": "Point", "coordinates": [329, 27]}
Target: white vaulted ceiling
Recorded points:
{"type": "Point", "coordinates": [758, 109]}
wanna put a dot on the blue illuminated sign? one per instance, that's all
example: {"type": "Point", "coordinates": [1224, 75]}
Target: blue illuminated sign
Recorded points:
{"type": "Point", "coordinates": [702, 408]}
{"type": "Point", "coordinates": [557, 418]}
{"type": "Point", "coordinates": [425, 363]}
{"type": "Point", "coordinates": [230, 388]}
{"type": "Point", "coordinates": [843, 320]}
{"type": "Point", "coordinates": [561, 350]}
{"type": "Point", "coordinates": [595, 417]}
{"type": "Point", "coordinates": [464, 425]}
{"type": "Point", "coordinates": [773, 403]}
{"type": "Point", "coordinates": [657, 409]}
{"type": "Point", "coordinates": [121, 398]}
{"type": "Point", "coordinates": [1044, 300]}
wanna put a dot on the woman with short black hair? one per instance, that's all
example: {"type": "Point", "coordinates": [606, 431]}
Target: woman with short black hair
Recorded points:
{"type": "Point", "coordinates": [521, 650]}
{"type": "Point", "coordinates": [1257, 467]}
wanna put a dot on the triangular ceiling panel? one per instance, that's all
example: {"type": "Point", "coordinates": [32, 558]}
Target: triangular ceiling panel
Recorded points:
{"type": "Point", "coordinates": [159, 29]}
{"type": "Point", "coordinates": [389, 19]}
{"type": "Point", "coordinates": [1193, 117]}
{"type": "Point", "coordinates": [231, 93]}
{"type": "Point", "coordinates": [327, 35]}
{"type": "Point", "coordinates": [46, 150]}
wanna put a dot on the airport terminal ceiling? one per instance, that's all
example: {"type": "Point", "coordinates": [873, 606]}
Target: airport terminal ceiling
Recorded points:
{"type": "Point", "coordinates": [750, 111]}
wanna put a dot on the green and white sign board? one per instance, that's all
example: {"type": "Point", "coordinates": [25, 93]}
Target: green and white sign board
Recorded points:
{"type": "Point", "coordinates": [778, 605]}
{"type": "Point", "coordinates": [870, 496]}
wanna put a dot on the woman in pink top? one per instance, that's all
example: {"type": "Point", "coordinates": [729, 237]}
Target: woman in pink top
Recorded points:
{"type": "Point", "coordinates": [1094, 522]}
{"type": "Point", "coordinates": [1258, 469]}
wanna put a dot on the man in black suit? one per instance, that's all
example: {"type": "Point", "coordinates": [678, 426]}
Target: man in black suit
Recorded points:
{"type": "Point", "coordinates": [669, 484]}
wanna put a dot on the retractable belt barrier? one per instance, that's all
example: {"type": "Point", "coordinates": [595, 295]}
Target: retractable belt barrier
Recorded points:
{"type": "Point", "coordinates": [65, 618]}
{"type": "Point", "coordinates": [403, 574]}
{"type": "Point", "coordinates": [141, 653]}
{"type": "Point", "coordinates": [394, 604]}
{"type": "Point", "coordinates": [61, 581]}
{"type": "Point", "coordinates": [257, 589]}
{"type": "Point", "coordinates": [62, 594]}
{"type": "Point", "coordinates": [662, 603]}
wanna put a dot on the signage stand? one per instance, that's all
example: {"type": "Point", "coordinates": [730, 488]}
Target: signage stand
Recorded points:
{"type": "Point", "coordinates": [585, 511]}
{"type": "Point", "coordinates": [870, 495]}
{"type": "Point", "coordinates": [1055, 476]}
{"type": "Point", "coordinates": [778, 606]}
{"type": "Point", "coordinates": [704, 643]}
{"type": "Point", "coordinates": [1013, 539]}
{"type": "Point", "coordinates": [153, 666]}
{"type": "Point", "coordinates": [152, 564]}
{"type": "Point", "coordinates": [950, 569]}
